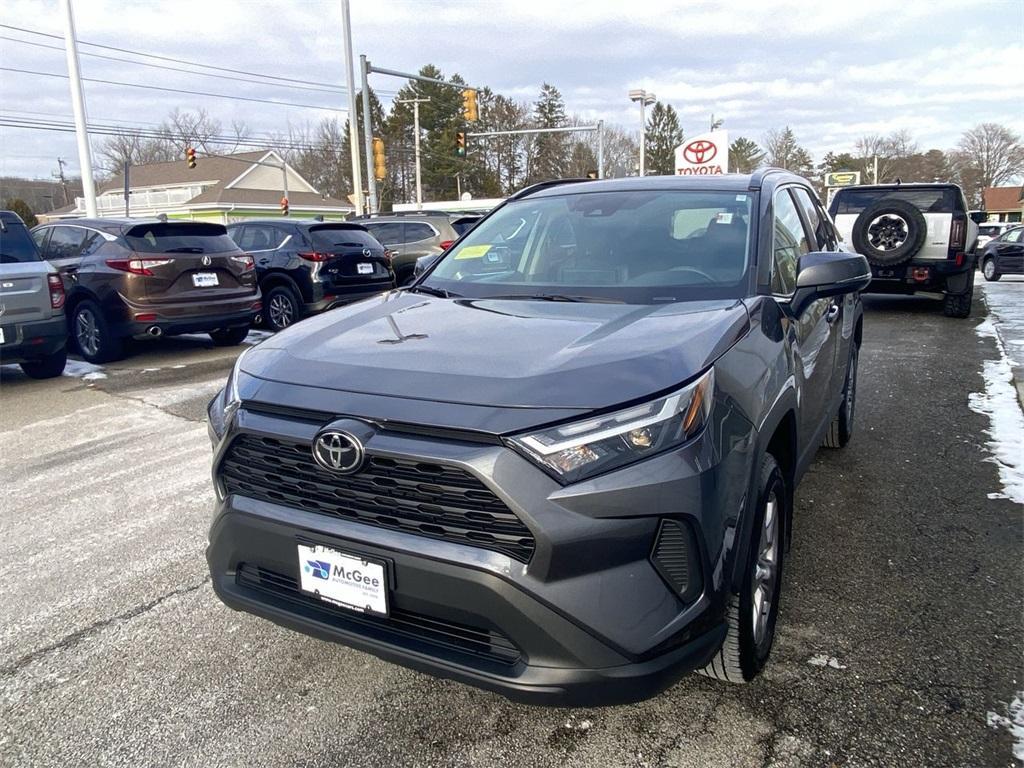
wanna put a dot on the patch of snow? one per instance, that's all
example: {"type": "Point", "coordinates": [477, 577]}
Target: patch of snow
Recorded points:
{"type": "Point", "coordinates": [1006, 421]}
{"type": "Point", "coordinates": [83, 370]}
{"type": "Point", "coordinates": [1013, 721]}
{"type": "Point", "coordinates": [822, 660]}
{"type": "Point", "coordinates": [255, 337]}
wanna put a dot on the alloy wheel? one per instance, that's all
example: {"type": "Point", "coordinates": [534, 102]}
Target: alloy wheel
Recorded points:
{"type": "Point", "coordinates": [766, 570]}
{"type": "Point", "coordinates": [989, 269]}
{"type": "Point", "coordinates": [281, 311]}
{"type": "Point", "coordinates": [888, 232]}
{"type": "Point", "coordinates": [87, 332]}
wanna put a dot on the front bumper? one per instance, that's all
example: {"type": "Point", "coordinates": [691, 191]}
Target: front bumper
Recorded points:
{"type": "Point", "coordinates": [588, 620]}
{"type": "Point", "coordinates": [24, 342]}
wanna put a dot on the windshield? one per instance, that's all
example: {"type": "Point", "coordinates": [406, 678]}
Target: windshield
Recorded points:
{"type": "Point", "coordinates": [16, 245]}
{"type": "Point", "coordinates": [638, 247]}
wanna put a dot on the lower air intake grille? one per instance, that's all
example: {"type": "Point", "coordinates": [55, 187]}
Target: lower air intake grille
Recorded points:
{"type": "Point", "coordinates": [675, 557]}
{"type": "Point", "coordinates": [404, 627]}
{"type": "Point", "coordinates": [439, 501]}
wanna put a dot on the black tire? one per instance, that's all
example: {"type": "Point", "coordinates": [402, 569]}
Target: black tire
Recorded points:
{"type": "Point", "coordinates": [47, 367]}
{"type": "Point", "coordinates": [889, 232]}
{"type": "Point", "coordinates": [281, 308]}
{"type": "Point", "coordinates": [746, 648]}
{"type": "Point", "coordinates": [958, 305]}
{"type": "Point", "coordinates": [93, 336]}
{"type": "Point", "coordinates": [229, 337]}
{"type": "Point", "coordinates": [989, 270]}
{"type": "Point", "coordinates": [841, 429]}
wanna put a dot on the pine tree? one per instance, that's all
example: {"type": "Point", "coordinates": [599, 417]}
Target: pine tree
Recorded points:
{"type": "Point", "coordinates": [745, 156]}
{"type": "Point", "coordinates": [663, 135]}
{"type": "Point", "coordinates": [549, 149]}
{"type": "Point", "coordinates": [785, 152]}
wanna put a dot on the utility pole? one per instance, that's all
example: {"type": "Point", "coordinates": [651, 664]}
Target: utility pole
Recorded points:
{"type": "Point", "coordinates": [353, 128]}
{"type": "Point", "coordinates": [63, 180]}
{"type": "Point", "coordinates": [644, 98]}
{"type": "Point", "coordinates": [600, 149]}
{"type": "Point", "coordinates": [458, 185]}
{"type": "Point", "coordinates": [874, 175]}
{"type": "Point", "coordinates": [284, 178]}
{"type": "Point", "coordinates": [127, 188]}
{"type": "Point", "coordinates": [371, 183]}
{"type": "Point", "coordinates": [416, 129]}
{"type": "Point", "coordinates": [78, 106]}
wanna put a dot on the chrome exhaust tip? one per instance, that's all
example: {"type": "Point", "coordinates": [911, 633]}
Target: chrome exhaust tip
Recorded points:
{"type": "Point", "coordinates": [155, 331]}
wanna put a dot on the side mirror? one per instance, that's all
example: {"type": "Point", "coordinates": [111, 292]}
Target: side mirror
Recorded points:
{"type": "Point", "coordinates": [828, 273]}
{"type": "Point", "coordinates": [979, 217]}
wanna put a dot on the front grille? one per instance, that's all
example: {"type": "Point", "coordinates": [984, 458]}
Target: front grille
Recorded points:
{"type": "Point", "coordinates": [403, 626]}
{"type": "Point", "coordinates": [434, 500]}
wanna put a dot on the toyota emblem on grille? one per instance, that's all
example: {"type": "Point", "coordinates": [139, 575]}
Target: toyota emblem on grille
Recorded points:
{"type": "Point", "coordinates": [338, 451]}
{"type": "Point", "coordinates": [207, 261]}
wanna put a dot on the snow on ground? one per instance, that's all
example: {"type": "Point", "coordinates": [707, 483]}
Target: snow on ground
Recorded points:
{"type": "Point", "coordinates": [823, 660]}
{"type": "Point", "coordinates": [1013, 721]}
{"type": "Point", "coordinates": [83, 370]}
{"type": "Point", "coordinates": [1006, 421]}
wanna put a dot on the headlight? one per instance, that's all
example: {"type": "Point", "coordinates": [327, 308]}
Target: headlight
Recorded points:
{"type": "Point", "coordinates": [584, 448]}
{"type": "Point", "coordinates": [224, 405]}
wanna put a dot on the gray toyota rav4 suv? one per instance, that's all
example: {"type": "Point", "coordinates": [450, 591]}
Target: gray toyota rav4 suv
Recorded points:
{"type": "Point", "coordinates": [561, 464]}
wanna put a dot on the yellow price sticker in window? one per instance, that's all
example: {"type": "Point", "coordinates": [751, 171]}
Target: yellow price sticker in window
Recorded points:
{"type": "Point", "coordinates": [472, 252]}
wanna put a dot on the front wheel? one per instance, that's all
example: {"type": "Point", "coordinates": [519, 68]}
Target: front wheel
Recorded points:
{"type": "Point", "coordinates": [229, 337]}
{"type": "Point", "coordinates": [751, 615]}
{"type": "Point", "coordinates": [988, 269]}
{"type": "Point", "coordinates": [47, 367]}
{"type": "Point", "coordinates": [841, 429]}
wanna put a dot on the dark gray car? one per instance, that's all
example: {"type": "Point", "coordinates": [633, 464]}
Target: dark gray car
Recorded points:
{"type": "Point", "coordinates": [561, 465]}
{"type": "Point", "coordinates": [409, 236]}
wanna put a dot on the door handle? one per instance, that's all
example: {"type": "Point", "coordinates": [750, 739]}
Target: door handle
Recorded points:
{"type": "Point", "coordinates": [832, 314]}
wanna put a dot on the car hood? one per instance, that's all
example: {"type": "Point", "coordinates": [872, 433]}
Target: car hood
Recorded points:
{"type": "Point", "coordinates": [501, 353]}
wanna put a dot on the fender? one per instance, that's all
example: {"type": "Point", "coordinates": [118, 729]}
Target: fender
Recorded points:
{"type": "Point", "coordinates": [275, 277]}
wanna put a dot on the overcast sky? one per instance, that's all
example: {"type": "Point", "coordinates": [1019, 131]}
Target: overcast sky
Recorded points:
{"type": "Point", "coordinates": [832, 71]}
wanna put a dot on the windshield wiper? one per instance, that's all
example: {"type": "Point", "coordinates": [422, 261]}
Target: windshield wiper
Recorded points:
{"type": "Point", "coordinates": [557, 297]}
{"type": "Point", "coordinates": [441, 292]}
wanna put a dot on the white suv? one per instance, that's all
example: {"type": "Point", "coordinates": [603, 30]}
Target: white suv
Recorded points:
{"type": "Point", "coordinates": [917, 237]}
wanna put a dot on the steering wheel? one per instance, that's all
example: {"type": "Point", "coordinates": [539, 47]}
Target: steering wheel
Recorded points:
{"type": "Point", "coordinates": [706, 277]}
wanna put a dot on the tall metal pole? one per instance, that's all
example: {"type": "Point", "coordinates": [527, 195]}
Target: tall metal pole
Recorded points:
{"type": "Point", "coordinates": [643, 132]}
{"type": "Point", "coordinates": [353, 132]}
{"type": "Point", "coordinates": [600, 149]}
{"type": "Point", "coordinates": [284, 182]}
{"type": "Point", "coordinates": [416, 129]}
{"type": "Point", "coordinates": [78, 107]}
{"type": "Point", "coordinates": [371, 184]}
{"type": "Point", "coordinates": [127, 188]}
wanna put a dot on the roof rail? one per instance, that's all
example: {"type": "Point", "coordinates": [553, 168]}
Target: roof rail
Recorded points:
{"type": "Point", "coordinates": [389, 214]}
{"type": "Point", "coordinates": [527, 191]}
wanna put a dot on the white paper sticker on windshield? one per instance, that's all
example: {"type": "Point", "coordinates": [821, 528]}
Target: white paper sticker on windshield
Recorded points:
{"type": "Point", "coordinates": [724, 218]}
{"type": "Point", "coordinates": [741, 198]}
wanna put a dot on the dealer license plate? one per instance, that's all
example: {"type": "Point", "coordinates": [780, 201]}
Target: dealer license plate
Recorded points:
{"type": "Point", "coordinates": [205, 279]}
{"type": "Point", "coordinates": [364, 269]}
{"type": "Point", "coordinates": [342, 579]}
{"type": "Point", "coordinates": [2, 339]}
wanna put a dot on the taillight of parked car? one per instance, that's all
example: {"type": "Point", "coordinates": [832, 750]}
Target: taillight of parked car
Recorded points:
{"type": "Point", "coordinates": [137, 266]}
{"type": "Point", "coordinates": [389, 254]}
{"type": "Point", "coordinates": [315, 256]}
{"type": "Point", "coordinates": [958, 238]}
{"type": "Point", "coordinates": [57, 296]}
{"type": "Point", "coordinates": [246, 262]}
{"type": "Point", "coordinates": [446, 244]}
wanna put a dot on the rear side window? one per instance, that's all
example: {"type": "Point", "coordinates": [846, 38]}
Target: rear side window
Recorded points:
{"type": "Point", "coordinates": [388, 232]}
{"type": "Point", "coordinates": [179, 238]}
{"type": "Point", "coordinates": [258, 237]}
{"type": "Point", "coordinates": [325, 238]}
{"type": "Point", "coordinates": [926, 200]}
{"type": "Point", "coordinates": [16, 245]}
{"type": "Point", "coordinates": [416, 231]}
{"type": "Point", "coordinates": [65, 242]}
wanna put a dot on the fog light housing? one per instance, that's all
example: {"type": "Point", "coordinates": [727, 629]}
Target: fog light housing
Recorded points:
{"type": "Point", "coordinates": [676, 558]}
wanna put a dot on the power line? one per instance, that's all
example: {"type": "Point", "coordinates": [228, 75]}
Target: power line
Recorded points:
{"type": "Point", "coordinates": [316, 89]}
{"type": "Point", "coordinates": [176, 90]}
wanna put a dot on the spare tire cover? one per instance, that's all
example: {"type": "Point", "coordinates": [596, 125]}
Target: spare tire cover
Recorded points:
{"type": "Point", "coordinates": [889, 232]}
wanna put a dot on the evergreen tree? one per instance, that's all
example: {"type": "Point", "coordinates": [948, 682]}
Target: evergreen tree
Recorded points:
{"type": "Point", "coordinates": [549, 149]}
{"type": "Point", "coordinates": [663, 135]}
{"type": "Point", "coordinates": [21, 208]}
{"type": "Point", "coordinates": [745, 156]}
{"type": "Point", "coordinates": [785, 152]}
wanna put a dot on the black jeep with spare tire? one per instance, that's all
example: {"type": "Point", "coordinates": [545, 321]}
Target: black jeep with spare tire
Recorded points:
{"type": "Point", "coordinates": [916, 237]}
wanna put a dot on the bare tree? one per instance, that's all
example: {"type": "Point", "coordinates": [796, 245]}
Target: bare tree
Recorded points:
{"type": "Point", "coordinates": [986, 156]}
{"type": "Point", "coordinates": [784, 152]}
{"type": "Point", "coordinates": [890, 150]}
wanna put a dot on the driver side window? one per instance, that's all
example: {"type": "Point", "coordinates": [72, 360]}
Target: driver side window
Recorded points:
{"type": "Point", "coordinates": [790, 242]}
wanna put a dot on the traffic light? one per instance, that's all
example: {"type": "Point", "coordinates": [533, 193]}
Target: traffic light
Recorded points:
{"type": "Point", "coordinates": [379, 168]}
{"type": "Point", "coordinates": [460, 144]}
{"type": "Point", "coordinates": [284, 206]}
{"type": "Point", "coordinates": [469, 105]}
{"type": "Point", "coordinates": [190, 156]}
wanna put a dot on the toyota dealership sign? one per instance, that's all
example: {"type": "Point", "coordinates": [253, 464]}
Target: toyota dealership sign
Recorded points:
{"type": "Point", "coordinates": [704, 155]}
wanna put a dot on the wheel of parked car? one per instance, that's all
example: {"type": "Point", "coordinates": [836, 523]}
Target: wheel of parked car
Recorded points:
{"type": "Point", "coordinates": [47, 367]}
{"type": "Point", "coordinates": [959, 304]}
{"type": "Point", "coordinates": [229, 337]}
{"type": "Point", "coordinates": [989, 270]}
{"type": "Point", "coordinates": [889, 232]}
{"type": "Point", "coordinates": [751, 615]}
{"type": "Point", "coordinates": [281, 307]}
{"type": "Point", "coordinates": [96, 341]}
{"type": "Point", "coordinates": [841, 429]}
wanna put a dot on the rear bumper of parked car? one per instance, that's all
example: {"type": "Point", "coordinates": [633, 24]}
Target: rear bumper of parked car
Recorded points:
{"type": "Point", "coordinates": [332, 297]}
{"type": "Point", "coordinates": [586, 618]}
{"type": "Point", "coordinates": [188, 317]}
{"type": "Point", "coordinates": [926, 275]}
{"type": "Point", "coordinates": [24, 342]}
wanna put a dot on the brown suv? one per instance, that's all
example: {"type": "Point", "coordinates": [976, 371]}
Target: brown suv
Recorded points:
{"type": "Point", "coordinates": [137, 278]}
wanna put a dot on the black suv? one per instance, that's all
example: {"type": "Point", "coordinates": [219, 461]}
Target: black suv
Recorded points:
{"type": "Point", "coordinates": [306, 265]}
{"type": "Point", "coordinates": [561, 465]}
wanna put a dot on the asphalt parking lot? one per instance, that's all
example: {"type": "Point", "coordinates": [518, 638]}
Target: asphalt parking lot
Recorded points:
{"type": "Point", "coordinates": [900, 638]}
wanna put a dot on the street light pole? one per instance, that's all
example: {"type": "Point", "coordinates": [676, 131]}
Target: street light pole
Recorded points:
{"type": "Point", "coordinates": [416, 130]}
{"type": "Point", "coordinates": [78, 107]}
{"type": "Point", "coordinates": [353, 128]}
{"type": "Point", "coordinates": [371, 183]}
{"type": "Point", "coordinates": [644, 98]}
